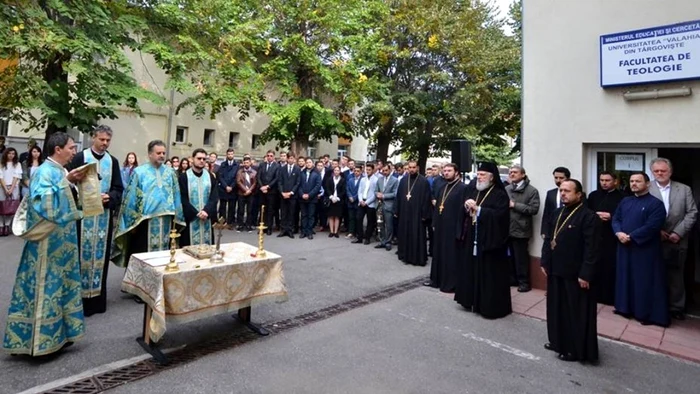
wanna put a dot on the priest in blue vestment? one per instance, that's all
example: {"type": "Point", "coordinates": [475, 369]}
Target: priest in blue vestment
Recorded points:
{"type": "Point", "coordinates": [95, 232]}
{"type": "Point", "coordinates": [199, 198]}
{"type": "Point", "coordinates": [150, 207]}
{"type": "Point", "coordinates": [641, 288]}
{"type": "Point", "coordinates": [46, 310]}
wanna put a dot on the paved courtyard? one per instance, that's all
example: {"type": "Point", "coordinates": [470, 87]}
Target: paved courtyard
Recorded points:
{"type": "Point", "coordinates": [417, 340]}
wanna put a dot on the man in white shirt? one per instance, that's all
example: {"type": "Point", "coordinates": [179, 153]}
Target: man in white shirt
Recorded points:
{"type": "Point", "coordinates": [366, 206]}
{"type": "Point", "coordinates": [681, 213]}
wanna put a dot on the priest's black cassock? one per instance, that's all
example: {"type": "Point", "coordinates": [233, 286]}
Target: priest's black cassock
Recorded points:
{"type": "Point", "coordinates": [448, 245]}
{"type": "Point", "coordinates": [98, 304]}
{"type": "Point", "coordinates": [571, 310]}
{"type": "Point", "coordinates": [641, 288]}
{"type": "Point", "coordinates": [483, 281]}
{"type": "Point", "coordinates": [413, 207]}
{"type": "Point", "coordinates": [190, 211]}
{"type": "Point", "coordinates": [606, 201]}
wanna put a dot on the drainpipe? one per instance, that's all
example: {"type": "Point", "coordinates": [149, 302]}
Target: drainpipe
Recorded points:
{"type": "Point", "coordinates": [171, 115]}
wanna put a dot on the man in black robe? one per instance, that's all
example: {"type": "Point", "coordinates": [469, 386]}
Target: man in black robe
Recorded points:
{"type": "Point", "coordinates": [413, 208]}
{"type": "Point", "coordinates": [483, 277]}
{"type": "Point", "coordinates": [448, 216]}
{"type": "Point", "coordinates": [604, 202]}
{"type": "Point", "coordinates": [569, 255]}
{"type": "Point", "coordinates": [199, 199]}
{"type": "Point", "coordinates": [95, 240]}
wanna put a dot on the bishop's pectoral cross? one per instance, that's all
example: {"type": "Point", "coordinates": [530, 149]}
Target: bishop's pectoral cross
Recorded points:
{"type": "Point", "coordinates": [441, 208]}
{"type": "Point", "coordinates": [408, 197]}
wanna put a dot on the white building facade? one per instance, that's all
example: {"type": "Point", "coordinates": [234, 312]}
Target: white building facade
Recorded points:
{"type": "Point", "coordinates": [591, 70]}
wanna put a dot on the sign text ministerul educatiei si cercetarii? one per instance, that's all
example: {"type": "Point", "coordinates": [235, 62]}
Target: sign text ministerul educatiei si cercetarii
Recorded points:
{"type": "Point", "coordinates": [659, 54]}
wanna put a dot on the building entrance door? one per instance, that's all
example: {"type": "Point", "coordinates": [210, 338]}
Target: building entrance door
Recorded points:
{"type": "Point", "coordinates": [623, 161]}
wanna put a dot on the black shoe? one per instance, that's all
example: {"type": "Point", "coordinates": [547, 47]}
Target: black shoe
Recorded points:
{"type": "Point", "coordinates": [524, 288]}
{"type": "Point", "coordinates": [429, 283]}
{"type": "Point", "coordinates": [290, 235]}
{"type": "Point", "coordinates": [625, 315]}
{"type": "Point", "coordinates": [280, 235]}
{"type": "Point", "coordinates": [269, 232]}
{"type": "Point", "coordinates": [302, 236]}
{"type": "Point", "coordinates": [357, 241]}
{"type": "Point", "coordinates": [310, 237]}
{"type": "Point", "coordinates": [549, 346]}
{"type": "Point", "coordinates": [330, 235]}
{"type": "Point", "coordinates": [336, 235]}
{"type": "Point", "coordinates": [388, 248]}
{"type": "Point", "coordinates": [378, 246]}
{"type": "Point", "coordinates": [366, 242]}
{"type": "Point", "coordinates": [566, 357]}
{"type": "Point", "coordinates": [678, 315]}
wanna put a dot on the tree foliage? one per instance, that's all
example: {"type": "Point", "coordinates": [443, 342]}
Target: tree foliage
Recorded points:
{"type": "Point", "coordinates": [294, 61]}
{"type": "Point", "coordinates": [71, 67]}
{"type": "Point", "coordinates": [411, 72]}
{"type": "Point", "coordinates": [447, 72]}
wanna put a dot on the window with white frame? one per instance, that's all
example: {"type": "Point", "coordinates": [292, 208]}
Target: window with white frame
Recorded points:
{"type": "Point", "coordinates": [181, 134]}
{"type": "Point", "coordinates": [255, 142]}
{"type": "Point", "coordinates": [343, 150]}
{"type": "Point", "coordinates": [311, 152]}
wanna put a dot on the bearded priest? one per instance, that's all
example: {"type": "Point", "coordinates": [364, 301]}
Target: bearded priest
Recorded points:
{"type": "Point", "coordinates": [199, 200]}
{"type": "Point", "coordinates": [483, 283]}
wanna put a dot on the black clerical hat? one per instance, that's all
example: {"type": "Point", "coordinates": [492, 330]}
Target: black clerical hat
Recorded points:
{"type": "Point", "coordinates": [491, 167]}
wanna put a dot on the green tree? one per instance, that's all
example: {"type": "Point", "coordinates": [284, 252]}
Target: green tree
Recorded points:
{"type": "Point", "coordinates": [446, 72]}
{"type": "Point", "coordinates": [71, 69]}
{"type": "Point", "coordinates": [294, 61]}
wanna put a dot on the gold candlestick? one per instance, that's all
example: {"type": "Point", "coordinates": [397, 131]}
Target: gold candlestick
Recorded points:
{"type": "Point", "coordinates": [261, 230]}
{"type": "Point", "coordinates": [172, 265]}
{"type": "Point", "coordinates": [218, 256]}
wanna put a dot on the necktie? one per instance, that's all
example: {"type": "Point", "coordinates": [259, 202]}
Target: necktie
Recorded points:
{"type": "Point", "coordinates": [247, 179]}
{"type": "Point", "coordinates": [289, 169]}
{"type": "Point", "coordinates": [268, 167]}
{"type": "Point", "coordinates": [307, 175]}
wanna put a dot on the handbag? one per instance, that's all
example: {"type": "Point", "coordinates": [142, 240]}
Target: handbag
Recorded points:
{"type": "Point", "coordinates": [326, 202]}
{"type": "Point", "coordinates": [9, 206]}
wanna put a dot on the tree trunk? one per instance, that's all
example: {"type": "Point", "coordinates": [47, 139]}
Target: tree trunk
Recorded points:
{"type": "Point", "coordinates": [423, 145]}
{"type": "Point", "coordinates": [300, 141]}
{"type": "Point", "coordinates": [54, 75]}
{"type": "Point", "coordinates": [384, 140]}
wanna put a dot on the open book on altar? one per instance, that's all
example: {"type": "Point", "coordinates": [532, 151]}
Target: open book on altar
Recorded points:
{"type": "Point", "coordinates": [89, 190]}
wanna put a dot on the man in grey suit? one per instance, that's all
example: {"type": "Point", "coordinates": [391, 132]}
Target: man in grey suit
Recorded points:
{"type": "Point", "coordinates": [386, 193]}
{"type": "Point", "coordinates": [681, 213]}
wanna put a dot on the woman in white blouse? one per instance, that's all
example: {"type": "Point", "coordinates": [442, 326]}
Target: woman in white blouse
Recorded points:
{"type": "Point", "coordinates": [10, 177]}
{"type": "Point", "coordinates": [334, 192]}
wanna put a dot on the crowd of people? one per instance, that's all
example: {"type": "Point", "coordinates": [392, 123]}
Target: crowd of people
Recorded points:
{"type": "Point", "coordinates": [605, 247]}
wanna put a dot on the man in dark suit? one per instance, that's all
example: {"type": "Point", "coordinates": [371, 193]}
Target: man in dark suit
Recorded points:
{"type": "Point", "coordinates": [289, 179]}
{"type": "Point", "coordinates": [309, 187]}
{"type": "Point", "coordinates": [226, 177]}
{"type": "Point", "coordinates": [352, 186]}
{"type": "Point", "coordinates": [267, 184]}
{"type": "Point", "coordinates": [553, 199]}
